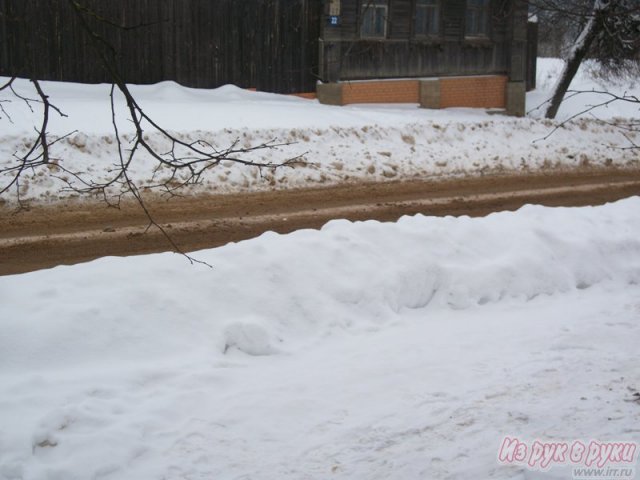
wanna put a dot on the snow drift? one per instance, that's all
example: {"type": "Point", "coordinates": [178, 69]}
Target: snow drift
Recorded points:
{"type": "Point", "coordinates": [361, 351]}
{"type": "Point", "coordinates": [263, 296]}
{"type": "Point", "coordinates": [339, 144]}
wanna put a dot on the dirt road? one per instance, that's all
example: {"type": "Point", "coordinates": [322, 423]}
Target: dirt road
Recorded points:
{"type": "Point", "coordinates": [73, 232]}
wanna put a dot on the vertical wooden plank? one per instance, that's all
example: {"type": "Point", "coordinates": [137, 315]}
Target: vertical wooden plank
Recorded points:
{"type": "Point", "coordinates": [400, 19]}
{"type": "Point", "coordinates": [453, 12]}
{"type": "Point", "coordinates": [269, 44]}
{"type": "Point", "coordinates": [532, 54]}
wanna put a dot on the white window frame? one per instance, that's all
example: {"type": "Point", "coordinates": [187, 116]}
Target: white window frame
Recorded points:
{"type": "Point", "coordinates": [435, 6]}
{"type": "Point", "coordinates": [372, 12]}
{"type": "Point", "coordinates": [477, 16]}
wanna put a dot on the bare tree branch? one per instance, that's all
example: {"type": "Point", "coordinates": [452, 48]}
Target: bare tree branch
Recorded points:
{"type": "Point", "coordinates": [183, 163]}
{"type": "Point", "coordinates": [628, 129]}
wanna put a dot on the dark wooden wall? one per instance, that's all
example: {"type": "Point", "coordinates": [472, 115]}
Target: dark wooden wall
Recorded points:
{"type": "Point", "coordinates": [346, 56]}
{"type": "Point", "coordinates": [532, 55]}
{"type": "Point", "coordinates": [271, 45]}
{"type": "Point", "coordinates": [280, 46]}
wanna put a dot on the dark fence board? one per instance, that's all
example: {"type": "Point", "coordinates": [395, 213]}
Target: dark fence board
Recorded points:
{"type": "Point", "coordinates": [271, 45]}
{"type": "Point", "coordinates": [532, 55]}
{"type": "Point", "coordinates": [268, 44]}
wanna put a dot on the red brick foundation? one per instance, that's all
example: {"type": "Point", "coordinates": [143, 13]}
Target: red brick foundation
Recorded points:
{"type": "Point", "coordinates": [392, 91]}
{"type": "Point", "coordinates": [475, 92]}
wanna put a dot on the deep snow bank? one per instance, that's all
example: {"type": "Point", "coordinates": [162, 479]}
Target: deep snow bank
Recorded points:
{"type": "Point", "coordinates": [375, 152]}
{"type": "Point", "coordinates": [357, 142]}
{"type": "Point", "coordinates": [361, 351]}
{"type": "Point", "coordinates": [279, 292]}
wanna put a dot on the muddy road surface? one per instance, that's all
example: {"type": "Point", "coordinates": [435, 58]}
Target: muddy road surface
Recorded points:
{"type": "Point", "coordinates": [72, 231]}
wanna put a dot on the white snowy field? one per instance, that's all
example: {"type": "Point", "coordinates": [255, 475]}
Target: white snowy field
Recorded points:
{"type": "Point", "coordinates": [351, 143]}
{"type": "Point", "coordinates": [361, 351]}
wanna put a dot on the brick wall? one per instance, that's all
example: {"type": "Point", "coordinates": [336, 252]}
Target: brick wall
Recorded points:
{"type": "Point", "coordinates": [393, 91]}
{"type": "Point", "coordinates": [475, 92]}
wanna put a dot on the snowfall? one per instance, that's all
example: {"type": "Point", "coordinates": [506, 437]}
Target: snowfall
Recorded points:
{"type": "Point", "coordinates": [362, 350]}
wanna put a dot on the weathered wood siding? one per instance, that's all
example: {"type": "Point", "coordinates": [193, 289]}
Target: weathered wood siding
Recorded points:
{"type": "Point", "coordinates": [347, 56]}
{"type": "Point", "coordinates": [271, 45]}
{"type": "Point", "coordinates": [532, 55]}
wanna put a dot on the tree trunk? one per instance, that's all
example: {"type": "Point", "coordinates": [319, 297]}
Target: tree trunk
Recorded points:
{"type": "Point", "coordinates": [578, 52]}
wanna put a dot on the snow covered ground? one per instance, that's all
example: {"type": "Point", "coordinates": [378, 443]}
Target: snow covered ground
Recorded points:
{"type": "Point", "coordinates": [361, 351]}
{"type": "Point", "coordinates": [357, 142]}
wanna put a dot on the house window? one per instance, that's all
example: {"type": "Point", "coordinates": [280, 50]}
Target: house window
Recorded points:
{"type": "Point", "coordinates": [427, 17]}
{"type": "Point", "coordinates": [477, 21]}
{"type": "Point", "coordinates": [373, 18]}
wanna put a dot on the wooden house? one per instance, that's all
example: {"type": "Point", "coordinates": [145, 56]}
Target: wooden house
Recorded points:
{"type": "Point", "coordinates": [438, 53]}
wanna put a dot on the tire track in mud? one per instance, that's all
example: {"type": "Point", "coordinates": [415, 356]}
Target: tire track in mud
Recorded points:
{"type": "Point", "coordinates": [71, 232]}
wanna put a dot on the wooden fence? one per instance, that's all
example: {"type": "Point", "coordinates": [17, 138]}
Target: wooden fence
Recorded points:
{"type": "Point", "coordinates": [532, 55]}
{"type": "Point", "coordinates": [271, 45]}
